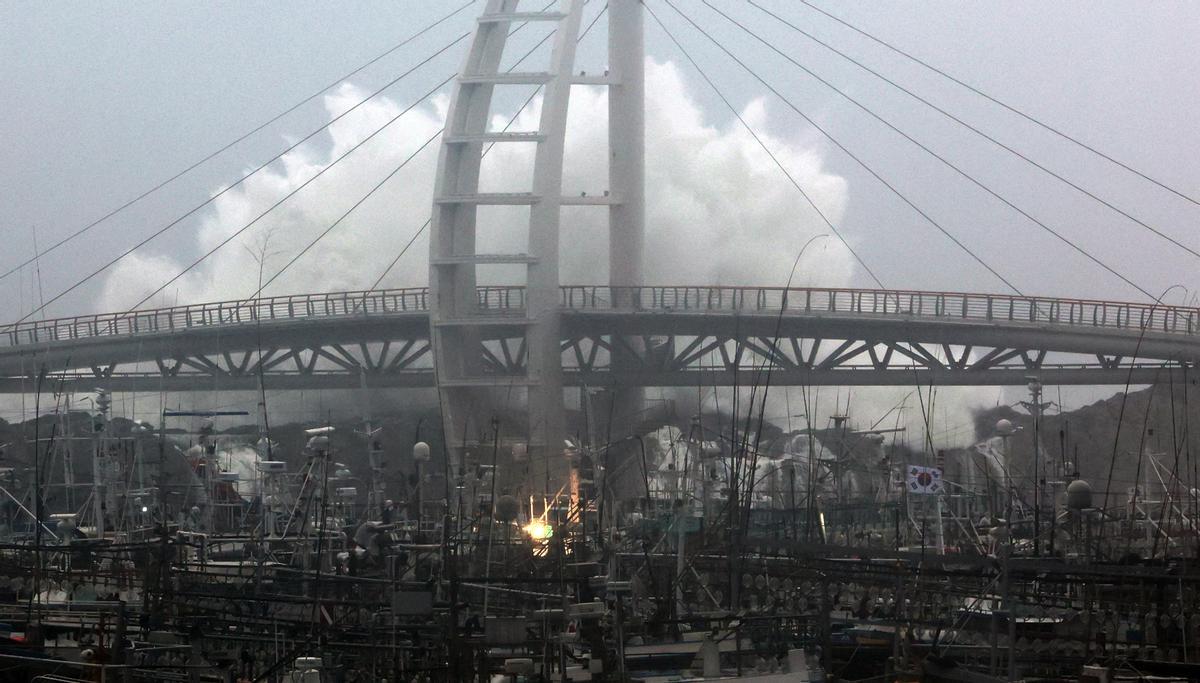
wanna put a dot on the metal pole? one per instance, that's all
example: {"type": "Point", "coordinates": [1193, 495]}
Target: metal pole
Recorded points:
{"type": "Point", "coordinates": [1036, 393]}
{"type": "Point", "coordinates": [682, 512]}
{"type": "Point", "coordinates": [1035, 407]}
{"type": "Point", "coordinates": [941, 532]}
{"type": "Point", "coordinates": [487, 567]}
{"type": "Point", "coordinates": [1010, 613]}
{"type": "Point", "coordinates": [994, 637]}
{"type": "Point", "coordinates": [417, 495]}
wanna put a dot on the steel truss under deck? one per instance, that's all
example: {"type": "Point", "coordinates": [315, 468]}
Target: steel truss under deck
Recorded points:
{"type": "Point", "coordinates": [662, 336]}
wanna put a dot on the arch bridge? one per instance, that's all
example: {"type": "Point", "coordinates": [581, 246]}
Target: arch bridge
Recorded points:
{"type": "Point", "coordinates": [665, 337]}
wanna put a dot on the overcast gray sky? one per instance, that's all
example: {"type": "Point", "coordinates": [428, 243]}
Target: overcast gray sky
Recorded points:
{"type": "Point", "coordinates": [105, 99]}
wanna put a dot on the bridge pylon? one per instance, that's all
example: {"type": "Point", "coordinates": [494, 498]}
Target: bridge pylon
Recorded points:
{"type": "Point", "coordinates": [487, 352]}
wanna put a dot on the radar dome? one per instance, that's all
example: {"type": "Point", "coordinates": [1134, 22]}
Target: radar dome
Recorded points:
{"type": "Point", "coordinates": [1079, 495]}
{"type": "Point", "coordinates": [1005, 427]}
{"type": "Point", "coordinates": [507, 508]}
{"type": "Point", "coordinates": [421, 451]}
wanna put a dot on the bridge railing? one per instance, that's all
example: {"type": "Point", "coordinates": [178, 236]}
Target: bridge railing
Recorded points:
{"type": "Point", "coordinates": [952, 305]}
{"type": "Point", "coordinates": [503, 299]}
{"type": "Point", "coordinates": [245, 311]}
{"type": "Point", "coordinates": [178, 318]}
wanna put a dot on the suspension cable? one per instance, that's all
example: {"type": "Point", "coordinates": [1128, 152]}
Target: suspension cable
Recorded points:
{"type": "Point", "coordinates": [824, 218]}
{"type": "Point", "coordinates": [294, 191]}
{"type": "Point", "coordinates": [242, 137]}
{"type": "Point", "coordinates": [1070, 243]}
{"type": "Point", "coordinates": [850, 154]}
{"type": "Point", "coordinates": [218, 194]}
{"type": "Point", "coordinates": [341, 218]}
{"type": "Point", "coordinates": [380, 184]}
{"type": "Point", "coordinates": [511, 121]}
{"type": "Point", "coordinates": [994, 100]}
{"type": "Point", "coordinates": [973, 129]}
{"type": "Point", "coordinates": [319, 173]}
{"type": "Point", "coordinates": [934, 154]}
{"type": "Point", "coordinates": [291, 194]}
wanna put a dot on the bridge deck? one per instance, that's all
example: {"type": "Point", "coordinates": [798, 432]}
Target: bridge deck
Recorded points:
{"type": "Point", "coordinates": [685, 335]}
{"type": "Point", "coordinates": [990, 308]}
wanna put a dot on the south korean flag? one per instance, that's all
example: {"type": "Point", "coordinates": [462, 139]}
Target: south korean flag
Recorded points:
{"type": "Point", "coordinates": [924, 480]}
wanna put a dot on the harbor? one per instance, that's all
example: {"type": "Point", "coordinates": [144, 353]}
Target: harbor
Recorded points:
{"type": "Point", "coordinates": [608, 384]}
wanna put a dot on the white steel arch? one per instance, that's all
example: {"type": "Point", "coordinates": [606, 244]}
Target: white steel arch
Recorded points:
{"type": "Point", "coordinates": [469, 387]}
{"type": "Point", "coordinates": [456, 315]}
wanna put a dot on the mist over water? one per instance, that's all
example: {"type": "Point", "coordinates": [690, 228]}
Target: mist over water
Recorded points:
{"type": "Point", "coordinates": [719, 211]}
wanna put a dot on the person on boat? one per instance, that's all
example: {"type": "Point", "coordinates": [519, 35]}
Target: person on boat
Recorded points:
{"type": "Point", "coordinates": [388, 511]}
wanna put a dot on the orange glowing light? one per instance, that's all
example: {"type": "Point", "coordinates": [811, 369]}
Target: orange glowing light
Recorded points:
{"type": "Point", "coordinates": [539, 530]}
